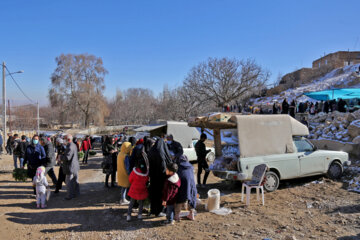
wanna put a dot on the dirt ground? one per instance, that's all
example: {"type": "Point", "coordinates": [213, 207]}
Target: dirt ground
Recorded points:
{"type": "Point", "coordinates": [310, 208]}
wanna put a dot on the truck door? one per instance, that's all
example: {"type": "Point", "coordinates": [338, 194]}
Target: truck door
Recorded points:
{"type": "Point", "coordinates": [310, 163]}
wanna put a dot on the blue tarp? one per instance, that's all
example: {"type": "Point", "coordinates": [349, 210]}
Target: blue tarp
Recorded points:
{"type": "Point", "coordinates": [344, 93]}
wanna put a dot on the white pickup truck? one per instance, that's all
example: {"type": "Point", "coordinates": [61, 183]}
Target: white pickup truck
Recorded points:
{"type": "Point", "coordinates": [277, 141]}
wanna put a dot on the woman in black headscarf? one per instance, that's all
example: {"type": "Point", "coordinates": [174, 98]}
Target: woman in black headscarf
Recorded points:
{"type": "Point", "coordinates": [148, 143]}
{"type": "Point", "coordinates": [132, 140]}
{"type": "Point", "coordinates": [159, 157]}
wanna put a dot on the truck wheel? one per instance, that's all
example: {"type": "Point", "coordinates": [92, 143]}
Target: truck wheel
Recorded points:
{"type": "Point", "coordinates": [272, 181]}
{"type": "Point", "coordinates": [335, 170]}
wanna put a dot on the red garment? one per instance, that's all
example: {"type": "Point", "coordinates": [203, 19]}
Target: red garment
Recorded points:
{"type": "Point", "coordinates": [86, 145]}
{"type": "Point", "coordinates": [140, 141]}
{"type": "Point", "coordinates": [170, 190]}
{"type": "Point", "coordinates": [138, 180]}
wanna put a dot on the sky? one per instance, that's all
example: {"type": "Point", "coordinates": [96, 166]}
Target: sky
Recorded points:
{"type": "Point", "coordinates": [150, 44]}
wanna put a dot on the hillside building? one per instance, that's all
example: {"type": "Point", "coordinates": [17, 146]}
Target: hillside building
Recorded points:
{"type": "Point", "coordinates": [337, 60]}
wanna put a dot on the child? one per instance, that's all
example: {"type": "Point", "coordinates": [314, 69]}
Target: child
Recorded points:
{"type": "Point", "coordinates": [187, 191]}
{"type": "Point", "coordinates": [41, 184]}
{"type": "Point", "coordinates": [138, 190]}
{"type": "Point", "coordinates": [170, 190]}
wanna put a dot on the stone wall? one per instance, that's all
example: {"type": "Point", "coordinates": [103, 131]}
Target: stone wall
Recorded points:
{"type": "Point", "coordinates": [304, 75]}
{"type": "Point", "coordinates": [337, 60]}
{"type": "Point", "coordinates": [351, 148]}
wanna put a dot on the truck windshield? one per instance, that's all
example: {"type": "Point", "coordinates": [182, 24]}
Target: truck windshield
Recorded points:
{"type": "Point", "coordinates": [303, 145]}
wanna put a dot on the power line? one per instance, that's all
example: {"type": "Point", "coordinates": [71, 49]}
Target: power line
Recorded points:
{"type": "Point", "coordinates": [30, 100]}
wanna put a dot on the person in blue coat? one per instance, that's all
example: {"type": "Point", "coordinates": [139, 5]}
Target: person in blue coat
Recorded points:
{"type": "Point", "coordinates": [187, 192]}
{"type": "Point", "coordinates": [1, 143]}
{"type": "Point", "coordinates": [34, 157]}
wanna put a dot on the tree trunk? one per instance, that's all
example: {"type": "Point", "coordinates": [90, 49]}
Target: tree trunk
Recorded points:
{"type": "Point", "coordinates": [87, 120]}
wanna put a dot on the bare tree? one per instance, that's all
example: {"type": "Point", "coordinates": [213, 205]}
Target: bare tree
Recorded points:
{"type": "Point", "coordinates": [133, 106]}
{"type": "Point", "coordinates": [77, 86]}
{"type": "Point", "coordinates": [24, 117]}
{"type": "Point", "coordinates": [225, 80]}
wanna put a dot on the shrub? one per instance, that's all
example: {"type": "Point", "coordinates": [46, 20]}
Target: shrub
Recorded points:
{"type": "Point", "coordinates": [80, 155]}
{"type": "Point", "coordinates": [20, 174]}
{"type": "Point", "coordinates": [92, 153]}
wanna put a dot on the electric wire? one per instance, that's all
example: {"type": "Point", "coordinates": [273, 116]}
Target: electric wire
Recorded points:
{"type": "Point", "coordinates": [30, 100]}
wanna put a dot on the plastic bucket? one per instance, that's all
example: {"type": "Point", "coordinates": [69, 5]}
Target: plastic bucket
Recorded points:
{"type": "Point", "coordinates": [213, 201]}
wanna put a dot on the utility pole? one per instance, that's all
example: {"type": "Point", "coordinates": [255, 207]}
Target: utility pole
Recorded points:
{"type": "Point", "coordinates": [9, 115]}
{"type": "Point", "coordinates": [38, 118]}
{"type": "Point", "coordinates": [4, 104]}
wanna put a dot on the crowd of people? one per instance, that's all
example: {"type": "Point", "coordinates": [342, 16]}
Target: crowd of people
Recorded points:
{"type": "Point", "coordinates": [310, 107]}
{"type": "Point", "coordinates": [154, 169]}
{"type": "Point", "coordinates": [147, 170]}
{"type": "Point", "coordinates": [293, 107]}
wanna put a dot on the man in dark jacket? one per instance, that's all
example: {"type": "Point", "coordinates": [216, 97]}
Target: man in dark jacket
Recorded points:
{"type": "Point", "coordinates": [60, 146]}
{"type": "Point", "coordinates": [50, 160]}
{"type": "Point", "coordinates": [341, 105]}
{"type": "Point", "coordinates": [14, 148]}
{"type": "Point", "coordinates": [21, 149]}
{"type": "Point", "coordinates": [71, 168]}
{"type": "Point", "coordinates": [175, 148]}
{"type": "Point", "coordinates": [201, 153]}
{"type": "Point", "coordinates": [34, 156]}
{"type": "Point", "coordinates": [285, 107]}
{"type": "Point", "coordinates": [8, 144]}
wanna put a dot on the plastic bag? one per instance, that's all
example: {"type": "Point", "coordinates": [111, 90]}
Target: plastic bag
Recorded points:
{"type": "Point", "coordinates": [222, 211]}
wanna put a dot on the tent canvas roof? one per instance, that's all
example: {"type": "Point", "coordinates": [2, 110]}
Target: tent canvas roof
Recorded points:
{"type": "Point", "coordinates": [149, 128]}
{"type": "Point", "coordinates": [180, 130]}
{"type": "Point", "coordinates": [261, 135]}
{"type": "Point", "coordinates": [344, 93]}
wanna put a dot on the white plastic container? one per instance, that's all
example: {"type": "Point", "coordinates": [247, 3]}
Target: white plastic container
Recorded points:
{"type": "Point", "coordinates": [213, 201]}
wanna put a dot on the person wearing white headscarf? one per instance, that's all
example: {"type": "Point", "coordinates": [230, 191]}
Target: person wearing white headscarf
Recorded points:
{"type": "Point", "coordinates": [41, 184]}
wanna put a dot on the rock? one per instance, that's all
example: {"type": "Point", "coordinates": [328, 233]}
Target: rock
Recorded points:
{"type": "Point", "coordinates": [357, 114]}
{"type": "Point", "coordinates": [350, 117]}
{"type": "Point", "coordinates": [354, 128]}
{"type": "Point", "coordinates": [333, 128]}
{"type": "Point", "coordinates": [326, 130]}
{"type": "Point", "coordinates": [345, 123]}
{"type": "Point", "coordinates": [336, 124]}
{"type": "Point", "coordinates": [321, 117]}
{"type": "Point", "coordinates": [290, 238]}
{"type": "Point", "coordinates": [356, 140]}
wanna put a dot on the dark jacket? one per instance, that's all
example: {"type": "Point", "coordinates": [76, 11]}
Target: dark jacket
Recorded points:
{"type": "Point", "coordinates": [34, 155]}
{"type": "Point", "coordinates": [70, 160]}
{"type": "Point", "coordinates": [15, 146]}
{"type": "Point", "coordinates": [176, 148]}
{"type": "Point", "coordinates": [139, 156]}
{"type": "Point", "coordinates": [108, 147]}
{"type": "Point", "coordinates": [22, 148]}
{"type": "Point", "coordinates": [159, 157]}
{"type": "Point", "coordinates": [1, 140]}
{"type": "Point", "coordinates": [187, 190]}
{"type": "Point", "coordinates": [170, 190]}
{"type": "Point", "coordinates": [50, 159]}
{"type": "Point", "coordinates": [285, 107]}
{"type": "Point", "coordinates": [200, 149]}
{"type": "Point", "coordinates": [9, 140]}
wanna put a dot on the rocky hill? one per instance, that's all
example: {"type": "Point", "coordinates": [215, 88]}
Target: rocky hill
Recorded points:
{"type": "Point", "coordinates": [346, 77]}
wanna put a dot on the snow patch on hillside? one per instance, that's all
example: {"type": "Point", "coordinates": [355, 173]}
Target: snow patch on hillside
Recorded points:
{"type": "Point", "coordinates": [329, 81]}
